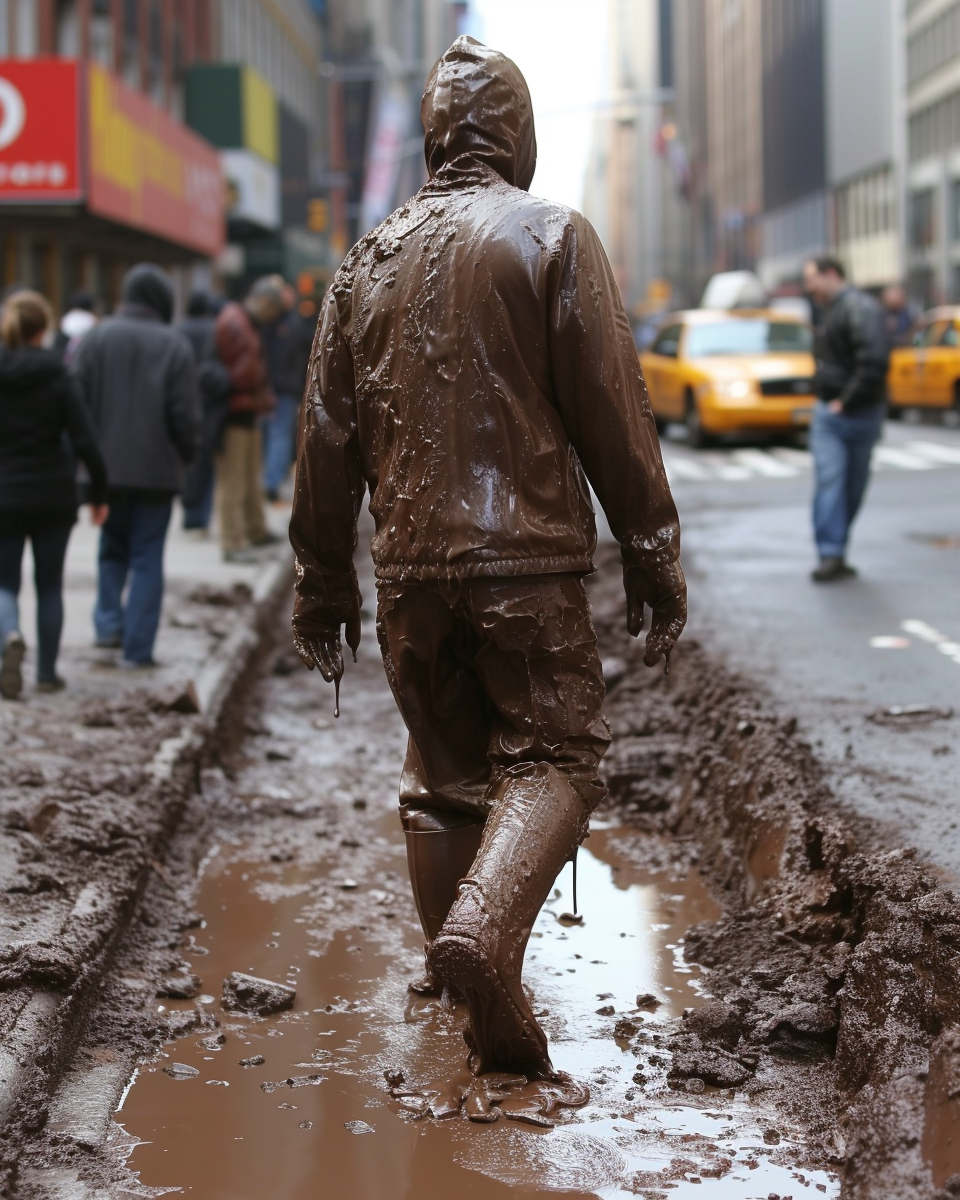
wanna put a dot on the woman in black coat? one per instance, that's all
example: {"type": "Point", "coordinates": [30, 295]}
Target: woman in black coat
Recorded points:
{"type": "Point", "coordinates": [43, 428]}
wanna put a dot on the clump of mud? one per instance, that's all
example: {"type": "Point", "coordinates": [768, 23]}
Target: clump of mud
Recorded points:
{"type": "Point", "coordinates": [828, 951]}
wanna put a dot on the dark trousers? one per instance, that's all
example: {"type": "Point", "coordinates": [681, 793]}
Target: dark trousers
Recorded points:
{"type": "Point", "coordinates": [492, 675]}
{"type": "Point", "coordinates": [48, 541]}
{"type": "Point", "coordinates": [131, 551]}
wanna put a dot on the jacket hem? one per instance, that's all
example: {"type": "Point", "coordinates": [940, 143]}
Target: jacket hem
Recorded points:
{"type": "Point", "coordinates": [478, 569]}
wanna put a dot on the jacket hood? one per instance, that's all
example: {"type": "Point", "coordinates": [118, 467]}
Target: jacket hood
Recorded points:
{"type": "Point", "coordinates": [150, 286]}
{"type": "Point", "coordinates": [28, 367]}
{"type": "Point", "coordinates": [476, 106]}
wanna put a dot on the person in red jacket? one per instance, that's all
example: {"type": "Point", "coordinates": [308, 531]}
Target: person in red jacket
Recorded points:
{"type": "Point", "coordinates": [239, 492]}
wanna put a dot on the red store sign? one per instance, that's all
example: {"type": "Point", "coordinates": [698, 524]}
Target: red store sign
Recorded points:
{"type": "Point", "coordinates": [74, 132]}
{"type": "Point", "coordinates": [39, 130]}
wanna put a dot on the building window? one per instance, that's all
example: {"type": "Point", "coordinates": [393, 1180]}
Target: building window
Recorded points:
{"type": "Point", "coordinates": [922, 223]}
{"type": "Point", "coordinates": [28, 33]}
{"type": "Point", "coordinates": [67, 28]}
{"type": "Point", "coordinates": [131, 43]}
{"type": "Point", "coordinates": [866, 206]}
{"type": "Point", "coordinates": [101, 33]}
{"type": "Point", "coordinates": [935, 129]}
{"type": "Point", "coordinates": [155, 57]}
{"type": "Point", "coordinates": [953, 215]}
{"type": "Point", "coordinates": [936, 44]}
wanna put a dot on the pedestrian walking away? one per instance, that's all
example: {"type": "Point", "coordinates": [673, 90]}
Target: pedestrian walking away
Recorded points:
{"type": "Point", "coordinates": [851, 350]}
{"type": "Point", "coordinates": [286, 346]}
{"type": "Point", "coordinates": [239, 461]}
{"type": "Point", "coordinates": [214, 383]}
{"type": "Point", "coordinates": [75, 324]}
{"type": "Point", "coordinates": [43, 427]}
{"type": "Point", "coordinates": [474, 363]}
{"type": "Point", "coordinates": [139, 381]}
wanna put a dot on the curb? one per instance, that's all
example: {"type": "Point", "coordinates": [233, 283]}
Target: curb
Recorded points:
{"type": "Point", "coordinates": [38, 1046]}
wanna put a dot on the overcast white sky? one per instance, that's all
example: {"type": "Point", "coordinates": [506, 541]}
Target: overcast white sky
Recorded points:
{"type": "Point", "coordinates": [560, 46]}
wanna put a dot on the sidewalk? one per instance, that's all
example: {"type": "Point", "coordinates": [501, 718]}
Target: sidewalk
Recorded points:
{"type": "Point", "coordinates": [94, 781]}
{"type": "Point", "coordinates": [189, 631]}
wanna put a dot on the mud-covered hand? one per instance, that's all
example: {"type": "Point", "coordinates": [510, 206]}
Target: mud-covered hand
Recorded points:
{"type": "Point", "coordinates": [325, 652]}
{"type": "Point", "coordinates": [664, 590]}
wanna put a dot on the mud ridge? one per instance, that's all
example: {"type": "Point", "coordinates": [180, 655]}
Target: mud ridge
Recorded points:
{"type": "Point", "coordinates": [95, 794]}
{"type": "Point", "coordinates": [829, 949]}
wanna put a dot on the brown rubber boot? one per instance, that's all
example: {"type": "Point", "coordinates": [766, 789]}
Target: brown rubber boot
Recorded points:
{"type": "Point", "coordinates": [536, 821]}
{"type": "Point", "coordinates": [441, 847]}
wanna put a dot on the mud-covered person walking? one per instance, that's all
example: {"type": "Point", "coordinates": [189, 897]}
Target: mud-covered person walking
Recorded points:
{"type": "Point", "coordinates": [473, 369]}
{"type": "Point", "coordinates": [39, 404]}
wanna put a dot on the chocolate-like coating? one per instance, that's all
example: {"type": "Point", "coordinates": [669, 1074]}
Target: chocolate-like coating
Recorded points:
{"type": "Point", "coordinates": [473, 367]}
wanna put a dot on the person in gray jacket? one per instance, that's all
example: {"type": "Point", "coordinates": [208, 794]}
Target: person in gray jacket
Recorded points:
{"type": "Point", "coordinates": [139, 381]}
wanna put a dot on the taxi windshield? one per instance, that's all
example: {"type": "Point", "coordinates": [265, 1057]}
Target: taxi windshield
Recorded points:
{"type": "Point", "coordinates": [747, 336]}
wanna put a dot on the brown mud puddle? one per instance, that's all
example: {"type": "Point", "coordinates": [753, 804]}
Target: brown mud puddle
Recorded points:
{"type": "Point", "coordinates": [316, 1117]}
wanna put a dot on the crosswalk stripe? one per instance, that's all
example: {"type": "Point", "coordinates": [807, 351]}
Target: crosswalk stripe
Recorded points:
{"type": "Point", "coordinates": [936, 450]}
{"type": "Point", "coordinates": [764, 464]}
{"type": "Point", "coordinates": [686, 468]}
{"type": "Point", "coordinates": [889, 457]}
{"type": "Point", "coordinates": [786, 462]}
{"type": "Point", "coordinates": [802, 459]}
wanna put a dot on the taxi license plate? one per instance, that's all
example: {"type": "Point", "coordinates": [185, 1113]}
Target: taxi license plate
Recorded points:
{"type": "Point", "coordinates": [801, 416]}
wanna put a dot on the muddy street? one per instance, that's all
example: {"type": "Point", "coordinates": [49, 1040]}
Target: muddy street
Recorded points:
{"type": "Point", "coordinates": [757, 992]}
{"type": "Point", "coordinates": [315, 896]}
{"type": "Point", "coordinates": [290, 867]}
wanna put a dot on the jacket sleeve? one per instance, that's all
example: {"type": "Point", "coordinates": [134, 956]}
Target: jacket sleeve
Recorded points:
{"type": "Point", "coordinates": [183, 402]}
{"type": "Point", "coordinates": [76, 421]}
{"type": "Point", "coordinates": [81, 368]}
{"type": "Point", "coordinates": [329, 487]}
{"type": "Point", "coordinates": [867, 339]}
{"type": "Point", "coordinates": [603, 401]}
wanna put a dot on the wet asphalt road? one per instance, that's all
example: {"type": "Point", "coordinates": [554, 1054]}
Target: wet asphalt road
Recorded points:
{"type": "Point", "coordinates": [748, 553]}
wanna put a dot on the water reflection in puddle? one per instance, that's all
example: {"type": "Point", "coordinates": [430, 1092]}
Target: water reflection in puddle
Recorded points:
{"type": "Point", "coordinates": [327, 1126]}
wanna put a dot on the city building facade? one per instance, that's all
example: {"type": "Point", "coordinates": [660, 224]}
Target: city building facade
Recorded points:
{"type": "Point", "coordinates": [932, 89]}
{"type": "Point", "coordinates": [97, 169]}
{"type": "Point", "coordinates": [379, 55]}
{"type": "Point", "coordinates": [795, 118]}
{"type": "Point", "coordinates": [638, 177]}
{"type": "Point", "coordinates": [795, 222]}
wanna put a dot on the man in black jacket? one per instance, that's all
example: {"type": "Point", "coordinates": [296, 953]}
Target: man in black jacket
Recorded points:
{"type": "Point", "coordinates": [851, 350]}
{"type": "Point", "coordinates": [139, 381]}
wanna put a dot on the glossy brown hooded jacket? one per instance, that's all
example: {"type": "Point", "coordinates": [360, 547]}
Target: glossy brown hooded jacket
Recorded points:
{"type": "Point", "coordinates": [472, 365]}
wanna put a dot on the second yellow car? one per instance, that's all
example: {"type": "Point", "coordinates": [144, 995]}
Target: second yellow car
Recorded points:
{"type": "Point", "coordinates": [926, 374]}
{"type": "Point", "coordinates": [742, 371]}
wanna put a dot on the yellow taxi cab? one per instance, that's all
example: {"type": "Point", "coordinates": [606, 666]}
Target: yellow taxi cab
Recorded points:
{"type": "Point", "coordinates": [926, 374]}
{"type": "Point", "coordinates": [731, 371]}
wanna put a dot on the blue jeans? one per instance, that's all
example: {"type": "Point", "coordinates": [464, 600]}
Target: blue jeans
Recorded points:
{"type": "Point", "coordinates": [198, 504]}
{"type": "Point", "coordinates": [278, 439]}
{"type": "Point", "coordinates": [197, 516]}
{"type": "Point", "coordinates": [49, 544]}
{"type": "Point", "coordinates": [841, 447]}
{"type": "Point", "coordinates": [131, 548]}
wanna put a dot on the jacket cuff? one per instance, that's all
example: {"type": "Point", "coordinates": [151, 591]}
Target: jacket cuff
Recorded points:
{"type": "Point", "coordinates": [322, 606]}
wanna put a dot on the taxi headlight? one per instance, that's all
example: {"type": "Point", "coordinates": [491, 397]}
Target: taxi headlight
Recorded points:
{"type": "Point", "coordinates": [732, 389]}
